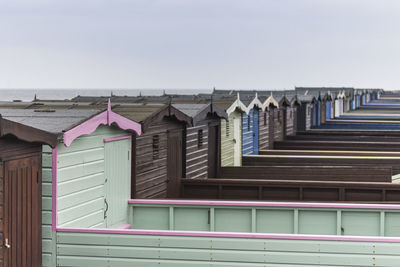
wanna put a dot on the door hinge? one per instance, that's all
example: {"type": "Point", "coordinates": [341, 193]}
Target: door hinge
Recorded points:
{"type": "Point", "coordinates": [37, 177]}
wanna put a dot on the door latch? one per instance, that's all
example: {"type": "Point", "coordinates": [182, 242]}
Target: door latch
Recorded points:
{"type": "Point", "coordinates": [6, 243]}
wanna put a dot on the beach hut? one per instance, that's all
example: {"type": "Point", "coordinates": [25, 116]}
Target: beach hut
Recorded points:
{"type": "Point", "coordinates": [326, 100]}
{"type": "Point", "coordinates": [203, 150]}
{"type": "Point", "coordinates": [86, 167]}
{"type": "Point", "coordinates": [158, 155]}
{"type": "Point", "coordinates": [250, 124]}
{"type": "Point", "coordinates": [231, 130]}
{"type": "Point", "coordinates": [21, 191]}
{"type": "Point", "coordinates": [305, 112]}
{"type": "Point", "coordinates": [267, 128]}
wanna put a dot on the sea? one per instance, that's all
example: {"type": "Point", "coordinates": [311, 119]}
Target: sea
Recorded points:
{"type": "Point", "coordinates": [61, 94]}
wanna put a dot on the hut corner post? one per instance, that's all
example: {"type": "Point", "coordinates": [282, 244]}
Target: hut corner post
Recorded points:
{"type": "Point", "coordinates": [54, 188]}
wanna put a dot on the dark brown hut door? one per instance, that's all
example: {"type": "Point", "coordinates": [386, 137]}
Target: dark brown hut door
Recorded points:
{"type": "Point", "coordinates": [271, 126]}
{"type": "Point", "coordinates": [22, 213]}
{"type": "Point", "coordinates": [212, 151]}
{"type": "Point", "coordinates": [174, 163]}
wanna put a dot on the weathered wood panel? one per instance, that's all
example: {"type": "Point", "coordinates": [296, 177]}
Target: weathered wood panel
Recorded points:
{"type": "Point", "coordinates": [150, 175]}
{"type": "Point", "coordinates": [263, 126]}
{"type": "Point", "coordinates": [337, 145]}
{"type": "Point", "coordinates": [310, 173]}
{"type": "Point", "coordinates": [22, 212]}
{"type": "Point", "coordinates": [197, 151]}
{"type": "Point", "coordinates": [305, 160]}
{"type": "Point", "coordinates": [287, 190]}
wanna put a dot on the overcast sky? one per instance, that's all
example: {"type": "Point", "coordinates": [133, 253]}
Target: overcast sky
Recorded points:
{"type": "Point", "coordinates": [199, 43]}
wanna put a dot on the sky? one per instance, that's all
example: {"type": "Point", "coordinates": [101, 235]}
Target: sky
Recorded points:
{"type": "Point", "coordinates": [247, 44]}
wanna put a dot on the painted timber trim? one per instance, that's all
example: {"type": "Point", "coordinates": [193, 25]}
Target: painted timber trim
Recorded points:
{"type": "Point", "coordinates": [270, 101]}
{"type": "Point", "coordinates": [264, 204]}
{"type": "Point", "coordinates": [116, 138]}
{"type": "Point", "coordinates": [123, 230]}
{"type": "Point", "coordinates": [255, 103]}
{"type": "Point", "coordinates": [54, 188]}
{"type": "Point", "coordinates": [107, 117]}
{"type": "Point", "coordinates": [237, 104]}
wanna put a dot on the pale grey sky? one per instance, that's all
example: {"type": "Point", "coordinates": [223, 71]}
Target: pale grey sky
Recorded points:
{"type": "Point", "coordinates": [199, 43]}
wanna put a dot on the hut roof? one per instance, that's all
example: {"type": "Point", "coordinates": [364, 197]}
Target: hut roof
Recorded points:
{"type": "Point", "coordinates": [52, 121]}
{"type": "Point", "coordinates": [199, 112]}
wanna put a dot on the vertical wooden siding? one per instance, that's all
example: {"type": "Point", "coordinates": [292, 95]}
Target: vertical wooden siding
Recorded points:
{"type": "Point", "coordinates": [118, 176]}
{"type": "Point", "coordinates": [48, 237]}
{"type": "Point", "coordinates": [290, 120]}
{"type": "Point", "coordinates": [227, 143]}
{"type": "Point", "coordinates": [263, 129]}
{"type": "Point", "coordinates": [22, 213]}
{"type": "Point", "coordinates": [81, 180]}
{"type": "Point", "coordinates": [104, 250]}
{"type": "Point", "coordinates": [278, 123]}
{"type": "Point", "coordinates": [151, 172]}
{"type": "Point", "coordinates": [197, 156]}
{"type": "Point", "coordinates": [247, 133]}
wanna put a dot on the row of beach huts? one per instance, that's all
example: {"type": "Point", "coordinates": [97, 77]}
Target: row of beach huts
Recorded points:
{"type": "Point", "coordinates": [303, 177]}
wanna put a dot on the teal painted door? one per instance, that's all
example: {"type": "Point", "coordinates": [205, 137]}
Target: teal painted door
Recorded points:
{"type": "Point", "coordinates": [117, 186]}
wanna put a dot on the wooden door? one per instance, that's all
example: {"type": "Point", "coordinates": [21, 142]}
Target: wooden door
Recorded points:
{"type": "Point", "coordinates": [117, 160]}
{"type": "Point", "coordinates": [237, 134]}
{"type": "Point", "coordinates": [22, 213]}
{"type": "Point", "coordinates": [174, 163]}
{"type": "Point", "coordinates": [213, 151]}
{"type": "Point", "coordinates": [271, 136]}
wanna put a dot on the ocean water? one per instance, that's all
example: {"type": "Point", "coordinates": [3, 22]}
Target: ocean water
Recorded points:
{"type": "Point", "coordinates": [59, 94]}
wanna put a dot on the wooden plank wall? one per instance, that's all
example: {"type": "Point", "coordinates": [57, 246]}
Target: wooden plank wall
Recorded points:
{"type": "Point", "coordinates": [82, 249]}
{"type": "Point", "coordinates": [197, 154]}
{"type": "Point", "coordinates": [48, 236]}
{"type": "Point", "coordinates": [263, 128]}
{"type": "Point", "coordinates": [227, 142]}
{"type": "Point", "coordinates": [151, 170]}
{"type": "Point", "coordinates": [81, 180]}
{"type": "Point", "coordinates": [278, 123]}
{"type": "Point", "coordinates": [247, 133]}
{"type": "Point", "coordinates": [290, 120]}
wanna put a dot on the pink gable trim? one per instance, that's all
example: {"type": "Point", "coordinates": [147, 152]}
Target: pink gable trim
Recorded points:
{"type": "Point", "coordinates": [116, 138]}
{"type": "Point", "coordinates": [231, 235]}
{"type": "Point", "coordinates": [105, 118]}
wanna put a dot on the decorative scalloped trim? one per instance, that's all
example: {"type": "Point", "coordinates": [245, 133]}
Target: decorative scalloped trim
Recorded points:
{"type": "Point", "coordinates": [105, 118]}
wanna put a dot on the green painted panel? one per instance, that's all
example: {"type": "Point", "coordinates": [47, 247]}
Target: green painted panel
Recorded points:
{"type": "Point", "coordinates": [232, 220]}
{"type": "Point", "coordinates": [115, 250]}
{"type": "Point", "coordinates": [317, 222]}
{"type": "Point", "coordinates": [361, 223]}
{"type": "Point", "coordinates": [118, 175]}
{"type": "Point", "coordinates": [275, 221]}
{"type": "Point", "coordinates": [392, 224]}
{"type": "Point", "coordinates": [48, 237]}
{"type": "Point", "coordinates": [150, 218]}
{"type": "Point", "coordinates": [195, 219]}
